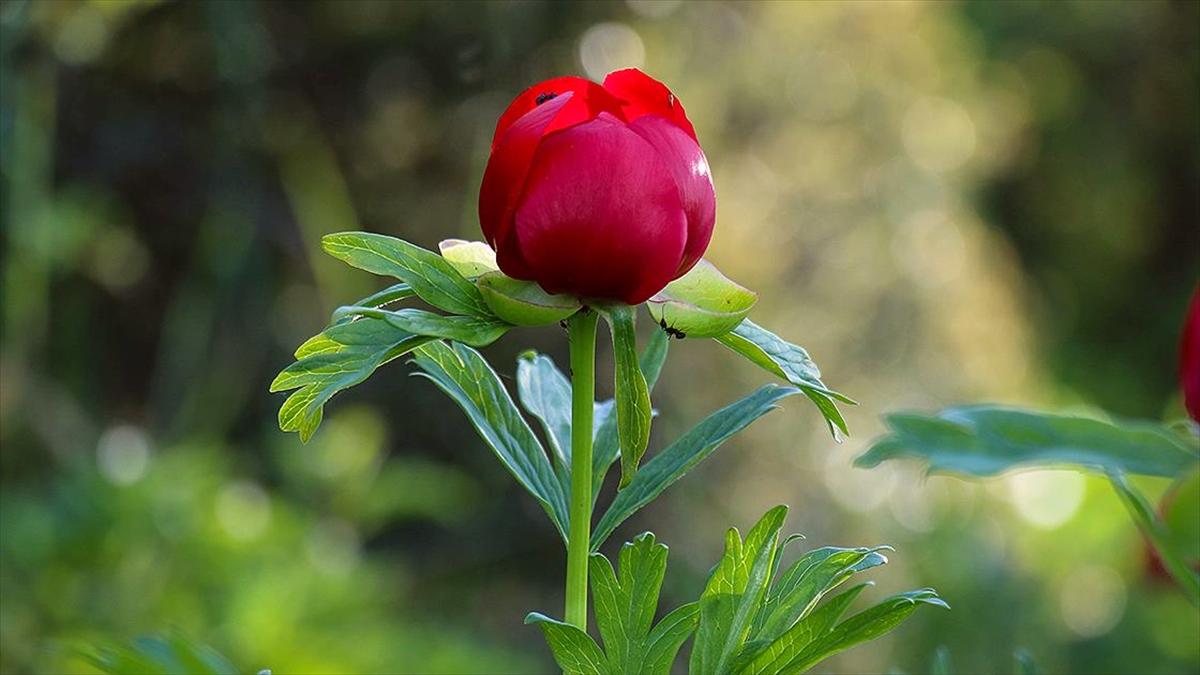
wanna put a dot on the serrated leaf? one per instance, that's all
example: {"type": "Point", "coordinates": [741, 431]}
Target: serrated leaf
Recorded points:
{"type": "Point", "coordinates": [524, 303]}
{"type": "Point", "coordinates": [678, 458]}
{"type": "Point", "coordinates": [790, 362]}
{"type": "Point", "coordinates": [464, 375]}
{"type": "Point", "coordinates": [431, 277]}
{"type": "Point", "coordinates": [985, 440]}
{"type": "Point", "coordinates": [632, 392]}
{"type": "Point", "coordinates": [607, 446]}
{"type": "Point", "coordinates": [340, 357]}
{"type": "Point", "coordinates": [469, 258]}
{"type": "Point", "coordinates": [734, 593]}
{"type": "Point", "coordinates": [470, 330]}
{"type": "Point", "coordinates": [702, 303]}
{"type": "Point", "coordinates": [574, 650]}
{"type": "Point", "coordinates": [866, 625]}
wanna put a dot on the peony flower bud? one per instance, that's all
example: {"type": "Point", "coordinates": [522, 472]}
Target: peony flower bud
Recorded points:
{"type": "Point", "coordinates": [597, 191]}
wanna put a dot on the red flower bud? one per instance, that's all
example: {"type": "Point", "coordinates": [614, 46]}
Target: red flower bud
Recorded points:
{"type": "Point", "coordinates": [1189, 359]}
{"type": "Point", "coordinates": [597, 191]}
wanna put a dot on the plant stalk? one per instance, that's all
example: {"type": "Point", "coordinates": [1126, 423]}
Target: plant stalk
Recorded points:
{"type": "Point", "coordinates": [581, 335]}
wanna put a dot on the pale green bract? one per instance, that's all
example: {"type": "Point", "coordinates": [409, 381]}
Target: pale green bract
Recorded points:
{"type": "Point", "coordinates": [702, 303]}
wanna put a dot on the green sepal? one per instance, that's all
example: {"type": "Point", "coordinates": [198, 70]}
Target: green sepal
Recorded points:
{"type": "Point", "coordinates": [524, 303]}
{"type": "Point", "coordinates": [702, 303]}
{"type": "Point", "coordinates": [632, 392]}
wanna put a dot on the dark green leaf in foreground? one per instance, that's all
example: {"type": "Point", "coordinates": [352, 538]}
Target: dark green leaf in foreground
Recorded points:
{"type": "Point", "coordinates": [678, 458]}
{"type": "Point", "coordinates": [340, 357]}
{"type": "Point", "coordinates": [790, 362]}
{"type": "Point", "coordinates": [431, 277]}
{"type": "Point", "coordinates": [467, 378]}
{"type": "Point", "coordinates": [607, 445]}
{"type": "Point", "coordinates": [985, 440]}
{"type": "Point", "coordinates": [632, 393]}
{"type": "Point", "coordinates": [171, 654]}
{"type": "Point", "coordinates": [625, 605]}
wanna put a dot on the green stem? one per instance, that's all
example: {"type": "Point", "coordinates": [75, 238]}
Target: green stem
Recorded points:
{"type": "Point", "coordinates": [581, 334]}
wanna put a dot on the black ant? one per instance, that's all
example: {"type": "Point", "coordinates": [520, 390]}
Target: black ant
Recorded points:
{"type": "Point", "coordinates": [671, 330]}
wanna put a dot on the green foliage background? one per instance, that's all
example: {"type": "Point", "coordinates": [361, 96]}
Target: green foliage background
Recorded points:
{"type": "Point", "coordinates": [943, 202]}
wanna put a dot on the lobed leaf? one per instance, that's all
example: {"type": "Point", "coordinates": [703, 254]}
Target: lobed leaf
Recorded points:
{"type": "Point", "coordinates": [734, 594]}
{"type": "Point", "coordinates": [985, 440]}
{"type": "Point", "coordinates": [790, 362]}
{"type": "Point", "coordinates": [464, 375]}
{"type": "Point", "coordinates": [866, 625]}
{"type": "Point", "coordinates": [773, 656]}
{"type": "Point", "coordinates": [625, 605]}
{"type": "Point", "coordinates": [340, 357]}
{"type": "Point", "coordinates": [430, 275]}
{"type": "Point", "coordinates": [689, 450]}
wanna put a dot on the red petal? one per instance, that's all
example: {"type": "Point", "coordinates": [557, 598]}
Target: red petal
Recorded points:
{"type": "Point", "coordinates": [601, 216]}
{"type": "Point", "coordinates": [506, 169]}
{"type": "Point", "coordinates": [1189, 359]}
{"type": "Point", "coordinates": [641, 94]}
{"type": "Point", "coordinates": [687, 163]}
{"type": "Point", "coordinates": [590, 99]}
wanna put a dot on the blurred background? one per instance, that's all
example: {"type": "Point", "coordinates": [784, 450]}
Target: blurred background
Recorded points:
{"type": "Point", "coordinates": [944, 202]}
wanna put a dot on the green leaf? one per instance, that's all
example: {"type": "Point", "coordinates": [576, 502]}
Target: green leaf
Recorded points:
{"type": "Point", "coordinates": [790, 362]}
{"type": "Point", "coordinates": [866, 625]}
{"type": "Point", "coordinates": [467, 378]}
{"type": "Point", "coordinates": [1181, 516]}
{"type": "Point", "coordinates": [985, 440]}
{"type": "Point", "coordinates": [632, 392]}
{"type": "Point", "coordinates": [574, 650]}
{"type": "Point", "coordinates": [941, 662]}
{"type": "Point", "coordinates": [387, 296]}
{"type": "Point", "coordinates": [1159, 536]}
{"type": "Point", "coordinates": [735, 593]}
{"type": "Point", "coordinates": [607, 446]}
{"type": "Point", "coordinates": [663, 643]}
{"type": "Point", "coordinates": [471, 330]}
{"type": "Point", "coordinates": [702, 303]}
{"type": "Point", "coordinates": [773, 656]}
{"type": "Point", "coordinates": [625, 606]}
{"type": "Point", "coordinates": [171, 654]}
{"type": "Point", "coordinates": [524, 303]}
{"type": "Point", "coordinates": [806, 582]}
{"type": "Point", "coordinates": [677, 459]}
{"type": "Point", "coordinates": [340, 357]}
{"type": "Point", "coordinates": [1025, 663]}
{"type": "Point", "coordinates": [469, 258]}
{"type": "Point", "coordinates": [545, 393]}
{"type": "Point", "coordinates": [431, 277]}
